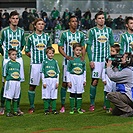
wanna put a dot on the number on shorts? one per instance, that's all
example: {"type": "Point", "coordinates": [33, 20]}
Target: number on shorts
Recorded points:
{"type": "Point", "coordinates": [95, 74]}
{"type": "Point", "coordinates": [31, 80]}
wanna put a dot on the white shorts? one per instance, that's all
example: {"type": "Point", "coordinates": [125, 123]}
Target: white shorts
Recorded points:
{"type": "Point", "coordinates": [64, 75]}
{"type": "Point", "coordinates": [97, 71]}
{"type": "Point", "coordinates": [50, 92]}
{"type": "Point", "coordinates": [35, 74]}
{"type": "Point", "coordinates": [12, 89]}
{"type": "Point", "coordinates": [20, 60]}
{"type": "Point", "coordinates": [110, 85]}
{"type": "Point", "coordinates": [77, 84]}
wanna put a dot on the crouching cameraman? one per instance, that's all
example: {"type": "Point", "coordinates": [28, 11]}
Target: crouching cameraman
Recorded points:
{"type": "Point", "coordinates": [123, 97]}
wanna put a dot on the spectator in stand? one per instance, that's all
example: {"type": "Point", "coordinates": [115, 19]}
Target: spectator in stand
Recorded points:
{"type": "Point", "coordinates": [87, 21]}
{"type": "Point", "coordinates": [78, 14]}
{"type": "Point", "coordinates": [109, 21]}
{"type": "Point", "coordinates": [58, 24]}
{"type": "Point", "coordinates": [20, 23]}
{"type": "Point", "coordinates": [25, 14]}
{"type": "Point", "coordinates": [35, 13]}
{"type": "Point", "coordinates": [54, 14]}
{"type": "Point", "coordinates": [47, 21]}
{"type": "Point", "coordinates": [65, 18]}
{"type": "Point", "coordinates": [31, 18]}
{"type": "Point", "coordinates": [114, 26]}
{"type": "Point", "coordinates": [120, 22]}
{"type": "Point", "coordinates": [25, 19]}
{"type": "Point", "coordinates": [4, 22]}
{"type": "Point", "coordinates": [6, 15]}
{"type": "Point", "coordinates": [43, 13]}
{"type": "Point", "coordinates": [82, 24]}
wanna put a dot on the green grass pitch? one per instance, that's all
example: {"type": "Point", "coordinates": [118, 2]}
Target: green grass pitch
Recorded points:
{"type": "Point", "coordinates": [89, 122]}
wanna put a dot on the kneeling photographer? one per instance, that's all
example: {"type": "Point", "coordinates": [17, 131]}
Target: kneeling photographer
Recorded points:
{"type": "Point", "coordinates": [123, 97]}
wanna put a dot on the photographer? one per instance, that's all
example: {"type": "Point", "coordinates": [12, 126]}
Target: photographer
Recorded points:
{"type": "Point", "coordinates": [123, 97]}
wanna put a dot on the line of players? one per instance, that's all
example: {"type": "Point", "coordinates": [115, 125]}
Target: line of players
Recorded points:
{"type": "Point", "coordinates": [100, 39]}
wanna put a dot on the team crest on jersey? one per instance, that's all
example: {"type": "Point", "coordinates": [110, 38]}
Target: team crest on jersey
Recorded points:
{"type": "Point", "coordinates": [15, 75]}
{"type": "Point", "coordinates": [131, 45]}
{"type": "Point", "coordinates": [51, 73]}
{"type": "Point", "coordinates": [72, 43]}
{"type": "Point", "coordinates": [77, 70]}
{"type": "Point", "coordinates": [40, 46]}
{"type": "Point", "coordinates": [14, 43]}
{"type": "Point", "coordinates": [102, 39]}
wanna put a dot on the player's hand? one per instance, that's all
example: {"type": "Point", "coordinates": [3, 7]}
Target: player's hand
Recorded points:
{"type": "Point", "coordinates": [69, 58]}
{"type": "Point", "coordinates": [56, 85]}
{"type": "Point", "coordinates": [109, 63]}
{"type": "Point", "coordinates": [92, 65]}
{"type": "Point", "coordinates": [44, 86]}
{"type": "Point", "coordinates": [69, 84]}
{"type": "Point", "coordinates": [84, 84]}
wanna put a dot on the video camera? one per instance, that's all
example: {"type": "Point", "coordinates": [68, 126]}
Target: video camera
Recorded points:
{"type": "Point", "coordinates": [116, 60]}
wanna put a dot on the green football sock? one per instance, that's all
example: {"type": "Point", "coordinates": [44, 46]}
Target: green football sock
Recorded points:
{"type": "Point", "coordinates": [53, 104]}
{"type": "Point", "coordinates": [46, 104]}
{"type": "Point", "coordinates": [75, 100]}
{"type": "Point", "coordinates": [8, 105]}
{"type": "Point", "coordinates": [104, 101]}
{"type": "Point", "coordinates": [31, 95]}
{"type": "Point", "coordinates": [107, 103]}
{"type": "Point", "coordinates": [15, 105]}
{"type": "Point", "coordinates": [79, 103]}
{"type": "Point", "coordinates": [72, 99]}
{"type": "Point", "coordinates": [63, 96]}
{"type": "Point", "coordinates": [18, 101]}
{"type": "Point", "coordinates": [92, 94]}
{"type": "Point", "coordinates": [49, 101]}
{"type": "Point", "coordinates": [2, 98]}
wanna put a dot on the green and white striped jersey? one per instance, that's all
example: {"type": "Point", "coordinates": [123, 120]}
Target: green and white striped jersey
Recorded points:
{"type": "Point", "coordinates": [99, 42]}
{"type": "Point", "coordinates": [76, 66]}
{"type": "Point", "coordinates": [67, 40]}
{"type": "Point", "coordinates": [126, 42]}
{"type": "Point", "coordinates": [37, 44]}
{"type": "Point", "coordinates": [50, 68]}
{"type": "Point", "coordinates": [12, 39]}
{"type": "Point", "coordinates": [12, 71]}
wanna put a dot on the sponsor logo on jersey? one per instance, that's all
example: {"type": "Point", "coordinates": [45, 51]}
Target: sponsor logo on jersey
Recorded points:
{"type": "Point", "coordinates": [14, 43]}
{"type": "Point", "coordinates": [51, 73]}
{"type": "Point", "coordinates": [15, 75]}
{"type": "Point", "coordinates": [72, 43]}
{"type": "Point", "coordinates": [131, 45]}
{"type": "Point", "coordinates": [77, 70]}
{"type": "Point", "coordinates": [102, 39]}
{"type": "Point", "coordinates": [40, 46]}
